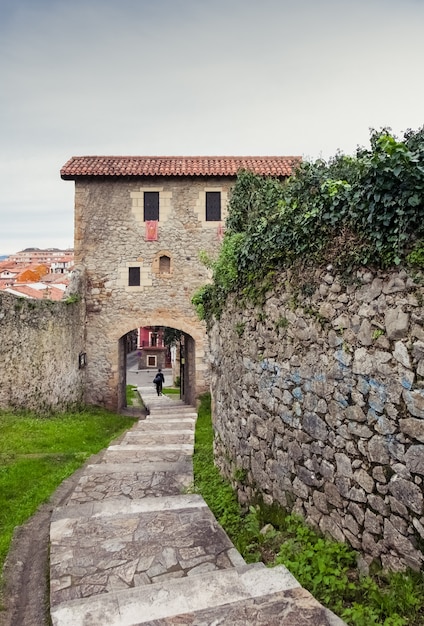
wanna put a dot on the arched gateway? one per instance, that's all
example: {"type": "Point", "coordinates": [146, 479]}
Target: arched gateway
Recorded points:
{"type": "Point", "coordinates": [140, 224]}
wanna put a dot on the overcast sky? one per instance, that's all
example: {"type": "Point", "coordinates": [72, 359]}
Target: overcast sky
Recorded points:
{"type": "Point", "coordinates": [191, 77]}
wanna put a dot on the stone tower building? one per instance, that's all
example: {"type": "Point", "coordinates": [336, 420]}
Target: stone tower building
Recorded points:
{"type": "Point", "coordinates": [140, 224]}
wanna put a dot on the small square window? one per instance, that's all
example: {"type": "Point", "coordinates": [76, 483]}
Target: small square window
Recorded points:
{"type": "Point", "coordinates": [133, 276]}
{"type": "Point", "coordinates": [151, 206]}
{"type": "Point", "coordinates": [213, 206]}
{"type": "Point", "coordinates": [151, 361]}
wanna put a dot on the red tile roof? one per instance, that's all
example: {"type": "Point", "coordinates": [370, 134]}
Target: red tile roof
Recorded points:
{"type": "Point", "coordinates": [277, 166]}
{"type": "Point", "coordinates": [26, 291]}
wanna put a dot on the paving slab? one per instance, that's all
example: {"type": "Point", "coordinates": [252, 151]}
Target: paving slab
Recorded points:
{"type": "Point", "coordinates": [161, 437]}
{"type": "Point", "coordinates": [133, 481]}
{"type": "Point", "coordinates": [159, 425]}
{"type": "Point", "coordinates": [157, 454]}
{"type": "Point", "coordinates": [187, 448]}
{"type": "Point", "coordinates": [103, 550]}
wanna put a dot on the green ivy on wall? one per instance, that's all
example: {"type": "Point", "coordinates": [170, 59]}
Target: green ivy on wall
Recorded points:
{"type": "Point", "coordinates": [366, 210]}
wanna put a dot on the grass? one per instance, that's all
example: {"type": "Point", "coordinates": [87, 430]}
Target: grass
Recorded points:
{"type": "Point", "coordinates": [133, 398]}
{"type": "Point", "coordinates": [170, 391]}
{"type": "Point", "coordinates": [216, 491]}
{"type": "Point", "coordinates": [131, 394]}
{"type": "Point", "coordinates": [326, 568]}
{"type": "Point", "coordinates": [38, 453]}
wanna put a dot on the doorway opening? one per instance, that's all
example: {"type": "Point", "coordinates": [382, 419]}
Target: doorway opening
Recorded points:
{"type": "Point", "coordinates": [145, 349]}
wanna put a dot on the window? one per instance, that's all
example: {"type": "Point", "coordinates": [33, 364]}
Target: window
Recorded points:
{"type": "Point", "coordinates": [134, 276]}
{"type": "Point", "coordinates": [151, 205]}
{"type": "Point", "coordinates": [213, 206]}
{"type": "Point", "coordinates": [164, 265]}
{"type": "Point", "coordinates": [151, 361]}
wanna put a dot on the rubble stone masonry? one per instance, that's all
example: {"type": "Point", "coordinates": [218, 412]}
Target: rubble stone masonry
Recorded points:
{"type": "Point", "coordinates": [318, 404]}
{"type": "Point", "coordinates": [40, 345]}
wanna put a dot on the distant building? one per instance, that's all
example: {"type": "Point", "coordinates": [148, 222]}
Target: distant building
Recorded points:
{"type": "Point", "coordinates": [31, 256]}
{"type": "Point", "coordinates": [35, 273]}
{"type": "Point", "coordinates": [152, 350]}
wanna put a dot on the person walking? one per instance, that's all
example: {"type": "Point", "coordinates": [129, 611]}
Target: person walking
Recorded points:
{"type": "Point", "coordinates": [158, 380]}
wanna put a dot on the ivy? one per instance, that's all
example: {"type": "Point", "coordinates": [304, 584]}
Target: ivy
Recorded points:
{"type": "Point", "coordinates": [350, 211]}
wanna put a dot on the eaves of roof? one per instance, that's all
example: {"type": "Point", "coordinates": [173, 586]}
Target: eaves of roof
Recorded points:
{"type": "Point", "coordinates": [124, 166]}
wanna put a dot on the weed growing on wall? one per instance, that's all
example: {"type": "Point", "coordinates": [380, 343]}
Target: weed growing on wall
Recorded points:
{"type": "Point", "coordinates": [350, 211]}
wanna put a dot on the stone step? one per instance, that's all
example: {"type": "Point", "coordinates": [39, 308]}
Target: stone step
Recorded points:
{"type": "Point", "coordinates": [161, 404]}
{"type": "Point", "coordinates": [171, 412]}
{"type": "Point", "coordinates": [132, 481]}
{"type": "Point", "coordinates": [179, 411]}
{"type": "Point", "coordinates": [186, 422]}
{"type": "Point", "coordinates": [159, 429]}
{"type": "Point", "coordinates": [155, 438]}
{"type": "Point", "coordinates": [106, 546]}
{"type": "Point", "coordinates": [166, 405]}
{"type": "Point", "coordinates": [142, 468]}
{"type": "Point", "coordinates": [249, 594]}
{"type": "Point", "coordinates": [141, 454]}
{"type": "Point", "coordinates": [163, 425]}
{"type": "Point", "coordinates": [187, 448]}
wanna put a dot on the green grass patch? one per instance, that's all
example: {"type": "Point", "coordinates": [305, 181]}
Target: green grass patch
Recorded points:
{"type": "Point", "coordinates": [326, 568]}
{"type": "Point", "coordinates": [131, 394]}
{"type": "Point", "coordinates": [133, 398]}
{"type": "Point", "coordinates": [38, 453]}
{"type": "Point", "coordinates": [216, 490]}
{"type": "Point", "coordinates": [171, 391]}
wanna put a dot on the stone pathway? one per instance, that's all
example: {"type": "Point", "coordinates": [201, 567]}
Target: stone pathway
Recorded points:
{"type": "Point", "coordinates": [132, 546]}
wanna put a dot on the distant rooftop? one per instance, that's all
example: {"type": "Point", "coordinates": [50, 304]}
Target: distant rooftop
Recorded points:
{"type": "Point", "coordinates": [81, 166]}
{"type": "Point", "coordinates": [38, 249]}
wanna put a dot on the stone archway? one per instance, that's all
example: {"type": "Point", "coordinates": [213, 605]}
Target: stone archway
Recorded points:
{"type": "Point", "coordinates": [190, 386]}
{"type": "Point", "coordinates": [105, 345]}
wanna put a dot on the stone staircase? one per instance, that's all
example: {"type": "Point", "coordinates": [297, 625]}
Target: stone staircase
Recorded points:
{"type": "Point", "coordinates": [132, 546]}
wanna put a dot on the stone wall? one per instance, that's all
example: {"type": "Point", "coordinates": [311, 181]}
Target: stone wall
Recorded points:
{"type": "Point", "coordinates": [318, 404]}
{"type": "Point", "coordinates": [40, 342]}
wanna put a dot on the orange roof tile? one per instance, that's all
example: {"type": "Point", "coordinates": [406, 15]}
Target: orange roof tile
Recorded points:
{"type": "Point", "coordinates": [277, 166]}
{"type": "Point", "coordinates": [26, 291]}
{"type": "Point", "coordinates": [8, 265]}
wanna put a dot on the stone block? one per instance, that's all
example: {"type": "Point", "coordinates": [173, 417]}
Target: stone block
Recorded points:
{"type": "Point", "coordinates": [414, 401]}
{"type": "Point", "coordinates": [364, 480]}
{"type": "Point", "coordinates": [378, 450]}
{"type": "Point", "coordinates": [413, 427]}
{"type": "Point", "coordinates": [407, 493]}
{"type": "Point", "coordinates": [396, 323]}
{"type": "Point", "coordinates": [414, 459]}
{"type": "Point", "coordinates": [344, 465]}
